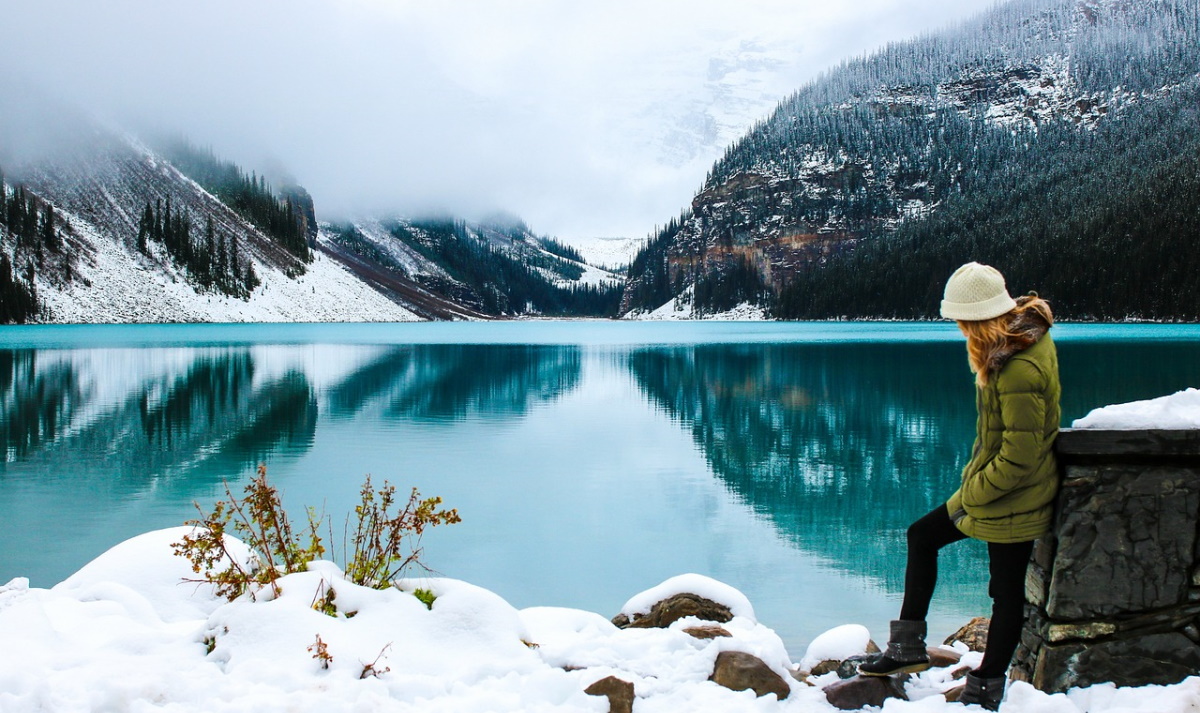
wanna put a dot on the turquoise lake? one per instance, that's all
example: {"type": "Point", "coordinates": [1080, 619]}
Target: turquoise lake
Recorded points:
{"type": "Point", "coordinates": [589, 460]}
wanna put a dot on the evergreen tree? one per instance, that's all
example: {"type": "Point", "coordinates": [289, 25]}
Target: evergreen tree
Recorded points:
{"type": "Point", "coordinates": [211, 272]}
{"type": "Point", "coordinates": [50, 236]}
{"type": "Point", "coordinates": [145, 230]}
{"type": "Point", "coordinates": [235, 257]}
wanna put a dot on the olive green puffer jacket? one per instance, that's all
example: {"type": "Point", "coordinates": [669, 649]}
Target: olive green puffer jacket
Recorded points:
{"type": "Point", "coordinates": [1009, 485]}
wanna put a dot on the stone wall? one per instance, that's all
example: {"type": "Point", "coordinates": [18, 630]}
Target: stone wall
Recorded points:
{"type": "Point", "coordinates": [1114, 591]}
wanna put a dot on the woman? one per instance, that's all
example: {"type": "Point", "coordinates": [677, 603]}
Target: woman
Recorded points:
{"type": "Point", "coordinates": [1008, 487]}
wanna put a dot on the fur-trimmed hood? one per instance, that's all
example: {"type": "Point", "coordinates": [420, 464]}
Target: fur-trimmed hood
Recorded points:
{"type": "Point", "coordinates": [1026, 328]}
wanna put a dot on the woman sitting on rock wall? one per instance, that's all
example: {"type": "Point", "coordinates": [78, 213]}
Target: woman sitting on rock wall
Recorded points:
{"type": "Point", "coordinates": [1008, 487]}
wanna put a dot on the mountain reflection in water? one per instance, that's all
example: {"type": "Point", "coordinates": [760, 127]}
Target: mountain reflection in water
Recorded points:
{"type": "Point", "coordinates": [841, 446]}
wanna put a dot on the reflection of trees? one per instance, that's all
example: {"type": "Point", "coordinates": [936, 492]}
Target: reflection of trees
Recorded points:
{"type": "Point", "coordinates": [840, 445]}
{"type": "Point", "coordinates": [450, 382]}
{"type": "Point", "coordinates": [35, 403]}
{"type": "Point", "coordinates": [208, 422]}
{"type": "Point", "coordinates": [216, 418]}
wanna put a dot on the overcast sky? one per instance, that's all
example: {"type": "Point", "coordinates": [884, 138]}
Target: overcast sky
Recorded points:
{"type": "Point", "coordinates": [584, 117]}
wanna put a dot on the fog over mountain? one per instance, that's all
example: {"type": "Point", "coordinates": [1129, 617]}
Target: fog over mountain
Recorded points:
{"type": "Point", "coordinates": [585, 118]}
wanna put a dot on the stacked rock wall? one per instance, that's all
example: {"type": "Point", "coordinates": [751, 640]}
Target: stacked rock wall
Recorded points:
{"type": "Point", "coordinates": [1114, 591]}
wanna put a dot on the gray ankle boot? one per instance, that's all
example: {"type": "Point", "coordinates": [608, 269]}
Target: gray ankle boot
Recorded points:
{"type": "Point", "coordinates": [986, 692]}
{"type": "Point", "coordinates": [905, 651]}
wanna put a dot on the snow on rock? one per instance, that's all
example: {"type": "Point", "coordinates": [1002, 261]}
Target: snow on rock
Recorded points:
{"type": "Point", "coordinates": [837, 644]}
{"type": "Point", "coordinates": [697, 584]}
{"type": "Point", "coordinates": [1180, 410]}
{"type": "Point", "coordinates": [121, 634]}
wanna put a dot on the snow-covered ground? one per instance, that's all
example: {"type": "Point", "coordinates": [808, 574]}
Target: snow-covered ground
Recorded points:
{"type": "Point", "coordinates": [592, 277]}
{"type": "Point", "coordinates": [680, 308]}
{"type": "Point", "coordinates": [127, 633]}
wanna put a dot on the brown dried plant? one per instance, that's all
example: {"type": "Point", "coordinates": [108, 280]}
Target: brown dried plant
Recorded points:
{"type": "Point", "coordinates": [386, 539]}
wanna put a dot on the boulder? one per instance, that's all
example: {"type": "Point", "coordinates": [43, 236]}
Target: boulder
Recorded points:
{"type": "Point", "coordinates": [973, 634]}
{"type": "Point", "coordinates": [849, 667]}
{"type": "Point", "coordinates": [618, 691]}
{"type": "Point", "coordinates": [740, 671]}
{"type": "Point", "coordinates": [825, 667]}
{"type": "Point", "coordinates": [1161, 659]}
{"type": "Point", "coordinates": [707, 632]}
{"type": "Point", "coordinates": [861, 691]}
{"type": "Point", "coordinates": [674, 608]}
{"type": "Point", "coordinates": [942, 658]}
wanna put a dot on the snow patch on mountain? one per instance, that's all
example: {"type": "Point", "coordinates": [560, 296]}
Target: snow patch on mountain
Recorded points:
{"type": "Point", "coordinates": [412, 262]}
{"type": "Point", "coordinates": [114, 286]}
{"type": "Point", "coordinates": [608, 252]}
{"type": "Point", "coordinates": [592, 276]}
{"type": "Point", "coordinates": [681, 308]}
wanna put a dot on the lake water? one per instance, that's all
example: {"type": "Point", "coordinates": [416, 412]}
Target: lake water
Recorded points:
{"type": "Point", "coordinates": [589, 460]}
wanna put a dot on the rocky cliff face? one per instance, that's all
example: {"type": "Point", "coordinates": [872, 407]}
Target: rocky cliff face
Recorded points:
{"type": "Point", "coordinates": [306, 208]}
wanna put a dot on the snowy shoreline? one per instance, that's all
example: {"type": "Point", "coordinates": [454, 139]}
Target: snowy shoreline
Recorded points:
{"type": "Point", "coordinates": [127, 633]}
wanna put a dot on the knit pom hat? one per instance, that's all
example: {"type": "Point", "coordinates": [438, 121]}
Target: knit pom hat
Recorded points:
{"type": "Point", "coordinates": [976, 292]}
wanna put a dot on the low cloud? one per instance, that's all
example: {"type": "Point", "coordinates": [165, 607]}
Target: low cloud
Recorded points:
{"type": "Point", "coordinates": [587, 117]}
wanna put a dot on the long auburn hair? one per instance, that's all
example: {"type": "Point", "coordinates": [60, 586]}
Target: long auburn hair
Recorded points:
{"type": "Point", "coordinates": [991, 341]}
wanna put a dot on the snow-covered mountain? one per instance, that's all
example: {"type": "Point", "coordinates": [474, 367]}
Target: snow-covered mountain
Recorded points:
{"type": "Point", "coordinates": [100, 265]}
{"type": "Point", "coordinates": [97, 226]}
{"type": "Point", "coordinates": [1060, 106]}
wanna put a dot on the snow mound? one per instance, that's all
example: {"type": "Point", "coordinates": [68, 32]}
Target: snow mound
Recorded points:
{"type": "Point", "coordinates": [1180, 410]}
{"type": "Point", "coordinates": [144, 575]}
{"type": "Point", "coordinates": [837, 644]}
{"type": "Point", "coordinates": [697, 584]}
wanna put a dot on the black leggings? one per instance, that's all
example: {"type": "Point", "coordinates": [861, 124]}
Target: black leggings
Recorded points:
{"type": "Point", "coordinates": [1006, 563]}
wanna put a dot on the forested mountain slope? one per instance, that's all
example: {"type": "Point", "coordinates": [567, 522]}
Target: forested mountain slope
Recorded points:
{"type": "Point", "coordinates": [490, 268]}
{"type": "Point", "coordinates": [1058, 140]}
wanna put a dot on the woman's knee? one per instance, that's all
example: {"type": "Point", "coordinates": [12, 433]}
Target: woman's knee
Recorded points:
{"type": "Point", "coordinates": [918, 535]}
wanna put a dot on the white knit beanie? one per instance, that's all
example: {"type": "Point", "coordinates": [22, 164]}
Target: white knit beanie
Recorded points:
{"type": "Point", "coordinates": [976, 292]}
